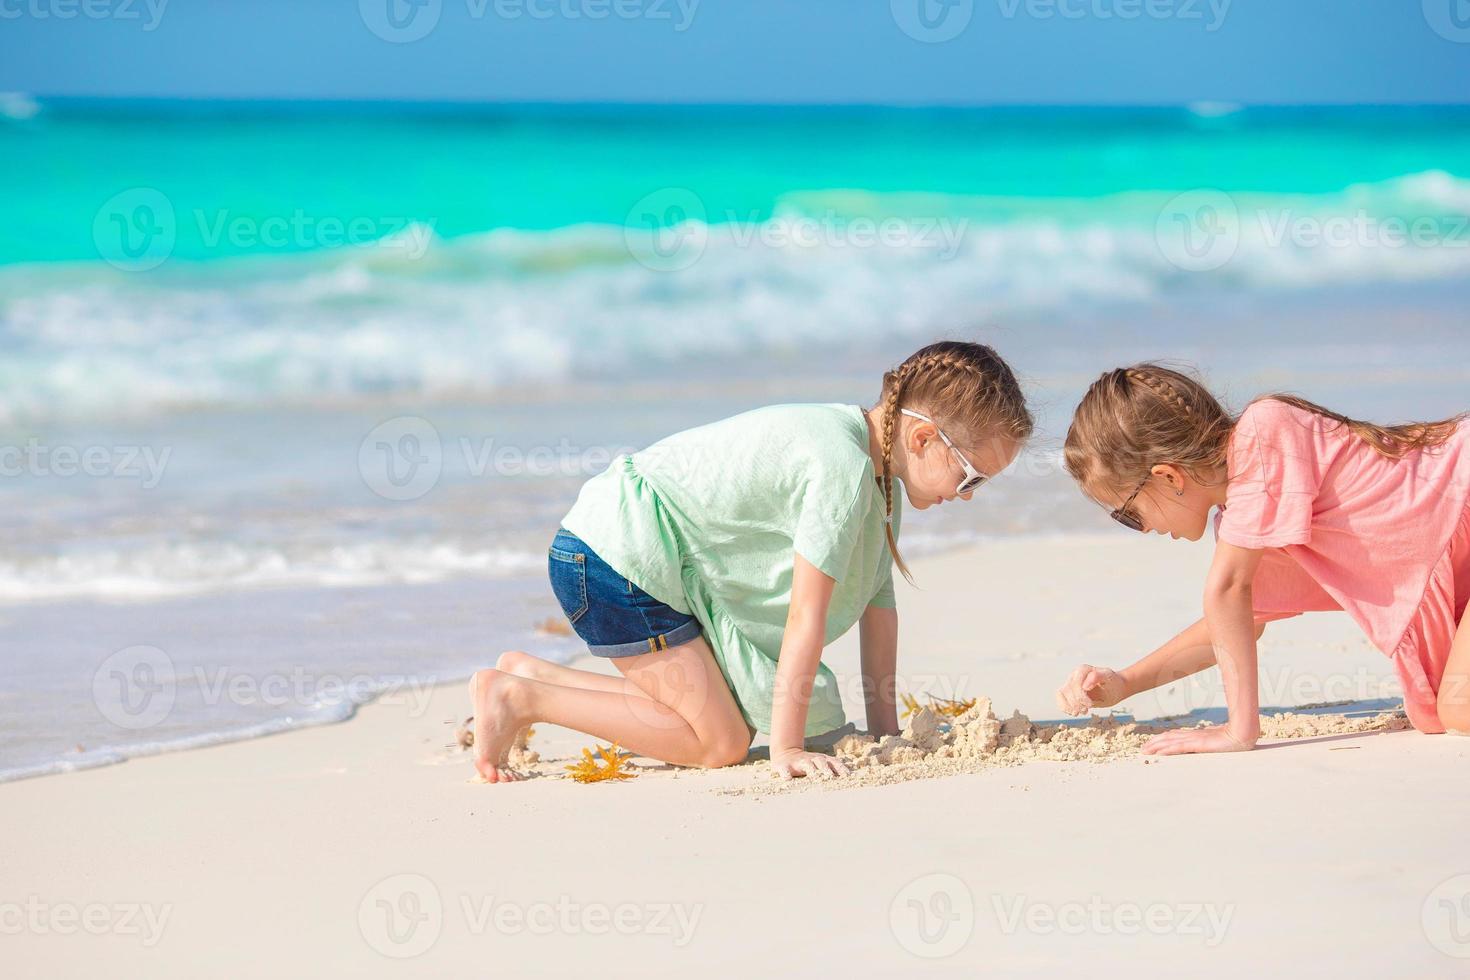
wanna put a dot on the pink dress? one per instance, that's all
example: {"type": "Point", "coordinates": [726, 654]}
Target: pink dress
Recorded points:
{"type": "Point", "coordinates": [1388, 541]}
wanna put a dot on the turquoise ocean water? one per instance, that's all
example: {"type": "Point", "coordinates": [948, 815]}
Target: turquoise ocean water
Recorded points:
{"type": "Point", "coordinates": [339, 369]}
{"type": "Point", "coordinates": [259, 254]}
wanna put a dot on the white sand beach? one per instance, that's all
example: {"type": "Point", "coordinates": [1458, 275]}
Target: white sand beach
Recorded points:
{"type": "Point", "coordinates": [363, 849]}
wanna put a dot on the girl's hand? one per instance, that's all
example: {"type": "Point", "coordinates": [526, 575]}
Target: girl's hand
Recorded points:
{"type": "Point", "coordinates": [795, 762]}
{"type": "Point", "coordinates": [1182, 741]}
{"type": "Point", "coordinates": [1091, 687]}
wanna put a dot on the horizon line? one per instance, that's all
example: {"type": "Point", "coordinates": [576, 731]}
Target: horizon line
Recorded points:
{"type": "Point", "coordinates": [1225, 106]}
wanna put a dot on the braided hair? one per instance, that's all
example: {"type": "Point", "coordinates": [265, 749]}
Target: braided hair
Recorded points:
{"type": "Point", "coordinates": [1157, 381]}
{"type": "Point", "coordinates": [1132, 419]}
{"type": "Point", "coordinates": [967, 388]}
{"type": "Point", "coordinates": [1135, 418]}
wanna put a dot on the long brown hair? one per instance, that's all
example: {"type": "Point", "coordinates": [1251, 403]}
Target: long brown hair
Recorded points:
{"type": "Point", "coordinates": [1393, 441]}
{"type": "Point", "coordinates": [967, 389]}
{"type": "Point", "coordinates": [1135, 418]}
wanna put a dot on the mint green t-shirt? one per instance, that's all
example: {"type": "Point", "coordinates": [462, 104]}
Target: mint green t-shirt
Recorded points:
{"type": "Point", "coordinates": [708, 520]}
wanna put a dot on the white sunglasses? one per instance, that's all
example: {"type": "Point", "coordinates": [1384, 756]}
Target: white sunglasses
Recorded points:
{"type": "Point", "coordinates": [973, 477]}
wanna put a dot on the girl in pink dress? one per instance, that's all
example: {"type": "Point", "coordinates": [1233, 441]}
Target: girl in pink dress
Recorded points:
{"type": "Point", "coordinates": [1316, 511]}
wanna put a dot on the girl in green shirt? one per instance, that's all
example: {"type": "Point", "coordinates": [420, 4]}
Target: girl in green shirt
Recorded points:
{"type": "Point", "coordinates": [715, 565]}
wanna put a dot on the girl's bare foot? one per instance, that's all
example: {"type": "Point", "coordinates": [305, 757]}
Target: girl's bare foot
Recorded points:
{"type": "Point", "coordinates": [495, 725]}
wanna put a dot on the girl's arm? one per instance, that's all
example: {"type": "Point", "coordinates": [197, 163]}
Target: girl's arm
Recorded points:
{"type": "Point", "coordinates": [878, 632]}
{"type": "Point", "coordinates": [1188, 653]}
{"type": "Point", "coordinates": [1230, 617]}
{"type": "Point", "coordinates": [796, 668]}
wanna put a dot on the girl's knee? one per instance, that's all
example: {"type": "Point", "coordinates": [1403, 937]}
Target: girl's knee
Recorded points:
{"type": "Point", "coordinates": [728, 750]}
{"type": "Point", "coordinates": [1456, 721]}
{"type": "Point", "coordinates": [1454, 711]}
{"type": "Point", "coordinates": [514, 661]}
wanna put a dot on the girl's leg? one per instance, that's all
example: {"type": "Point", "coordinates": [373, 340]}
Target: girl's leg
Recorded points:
{"type": "Point", "coordinates": [685, 713]}
{"type": "Point", "coordinates": [1453, 701]}
{"type": "Point", "coordinates": [533, 668]}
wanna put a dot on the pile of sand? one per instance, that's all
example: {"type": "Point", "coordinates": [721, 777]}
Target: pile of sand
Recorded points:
{"type": "Point", "coordinates": [932, 745]}
{"type": "Point", "coordinates": [1290, 725]}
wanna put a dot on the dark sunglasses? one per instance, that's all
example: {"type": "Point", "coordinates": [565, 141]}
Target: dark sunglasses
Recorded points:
{"type": "Point", "coordinates": [1126, 515]}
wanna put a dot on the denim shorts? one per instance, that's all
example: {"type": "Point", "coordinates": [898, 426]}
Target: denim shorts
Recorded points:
{"type": "Point", "coordinates": [613, 616]}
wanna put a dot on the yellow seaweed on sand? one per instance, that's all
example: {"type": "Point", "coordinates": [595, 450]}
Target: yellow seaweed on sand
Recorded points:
{"type": "Point", "coordinates": [947, 707]}
{"type": "Point", "coordinates": [588, 770]}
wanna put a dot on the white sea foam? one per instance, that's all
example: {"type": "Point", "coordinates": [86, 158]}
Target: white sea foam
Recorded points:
{"type": "Point", "coordinates": [108, 755]}
{"type": "Point", "coordinates": [171, 570]}
{"type": "Point", "coordinates": [477, 312]}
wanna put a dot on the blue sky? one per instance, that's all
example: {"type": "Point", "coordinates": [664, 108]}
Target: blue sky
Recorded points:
{"type": "Point", "coordinates": [866, 51]}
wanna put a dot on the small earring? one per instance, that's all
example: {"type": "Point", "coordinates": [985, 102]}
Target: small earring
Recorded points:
{"type": "Point", "coordinates": [1178, 493]}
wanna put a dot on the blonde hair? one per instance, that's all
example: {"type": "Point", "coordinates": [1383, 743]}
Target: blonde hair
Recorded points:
{"type": "Point", "coordinates": [966, 388]}
{"type": "Point", "coordinates": [1132, 419]}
